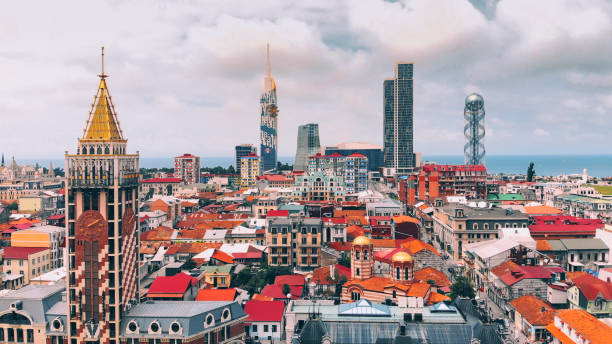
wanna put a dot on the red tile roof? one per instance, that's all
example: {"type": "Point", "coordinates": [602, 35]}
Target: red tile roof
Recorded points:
{"type": "Point", "coordinates": [277, 213]}
{"type": "Point", "coordinates": [276, 291]}
{"type": "Point", "coordinates": [216, 295]}
{"type": "Point", "coordinates": [336, 220]}
{"type": "Point", "coordinates": [452, 168]}
{"type": "Point", "coordinates": [291, 280]}
{"type": "Point", "coordinates": [340, 246]}
{"type": "Point", "coordinates": [162, 180]}
{"type": "Point", "coordinates": [356, 155]}
{"type": "Point", "coordinates": [275, 178]}
{"type": "Point", "coordinates": [593, 329]}
{"type": "Point", "coordinates": [176, 284]}
{"type": "Point", "coordinates": [510, 273]}
{"type": "Point", "coordinates": [430, 273]}
{"type": "Point", "coordinates": [12, 252]}
{"type": "Point", "coordinates": [56, 217]}
{"type": "Point", "coordinates": [535, 310]}
{"type": "Point", "coordinates": [321, 275]}
{"type": "Point", "coordinates": [564, 224]}
{"type": "Point", "coordinates": [264, 310]}
{"type": "Point", "coordinates": [354, 231]}
{"type": "Point", "coordinates": [591, 286]}
{"type": "Point", "coordinates": [222, 256]}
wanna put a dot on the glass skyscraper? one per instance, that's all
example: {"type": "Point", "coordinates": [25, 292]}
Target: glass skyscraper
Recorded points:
{"type": "Point", "coordinates": [398, 128]}
{"type": "Point", "coordinates": [269, 115]}
{"type": "Point", "coordinates": [307, 145]}
{"type": "Point", "coordinates": [243, 150]}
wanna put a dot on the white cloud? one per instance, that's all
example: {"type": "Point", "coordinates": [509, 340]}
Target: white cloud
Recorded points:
{"type": "Point", "coordinates": [539, 132]}
{"type": "Point", "coordinates": [187, 76]}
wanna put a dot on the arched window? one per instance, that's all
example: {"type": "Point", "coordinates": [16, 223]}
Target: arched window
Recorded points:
{"type": "Point", "coordinates": [356, 254]}
{"type": "Point", "coordinates": [397, 273]}
{"type": "Point", "coordinates": [84, 151]}
{"type": "Point", "coordinates": [91, 150]}
{"type": "Point", "coordinates": [407, 272]}
{"type": "Point", "coordinates": [357, 271]}
{"type": "Point", "coordinates": [365, 255]}
{"type": "Point", "coordinates": [485, 226]}
{"type": "Point", "coordinates": [99, 150]}
{"type": "Point", "coordinates": [14, 319]}
{"type": "Point", "coordinates": [106, 151]}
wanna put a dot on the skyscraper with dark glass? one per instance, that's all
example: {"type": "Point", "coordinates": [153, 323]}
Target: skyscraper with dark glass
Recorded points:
{"type": "Point", "coordinates": [307, 145]}
{"type": "Point", "coordinates": [398, 127]}
{"type": "Point", "coordinates": [269, 115]}
{"type": "Point", "coordinates": [243, 150]}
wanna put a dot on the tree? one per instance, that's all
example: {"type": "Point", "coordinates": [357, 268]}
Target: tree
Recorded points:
{"type": "Point", "coordinates": [12, 206]}
{"type": "Point", "coordinates": [345, 260]}
{"type": "Point", "coordinates": [286, 289]}
{"type": "Point", "coordinates": [462, 287]}
{"type": "Point", "coordinates": [530, 172]}
{"type": "Point", "coordinates": [431, 282]}
{"type": "Point", "coordinates": [242, 278]}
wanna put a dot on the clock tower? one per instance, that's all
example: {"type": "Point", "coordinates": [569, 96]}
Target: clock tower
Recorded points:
{"type": "Point", "coordinates": [102, 232]}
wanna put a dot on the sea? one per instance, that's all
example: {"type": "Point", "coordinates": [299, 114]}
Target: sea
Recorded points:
{"type": "Point", "coordinates": [545, 165]}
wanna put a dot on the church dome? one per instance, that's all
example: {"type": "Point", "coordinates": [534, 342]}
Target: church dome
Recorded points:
{"type": "Point", "coordinates": [361, 240]}
{"type": "Point", "coordinates": [401, 257]}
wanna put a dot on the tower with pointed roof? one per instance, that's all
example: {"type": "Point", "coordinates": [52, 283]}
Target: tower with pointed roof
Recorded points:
{"type": "Point", "coordinates": [101, 208]}
{"type": "Point", "coordinates": [269, 117]}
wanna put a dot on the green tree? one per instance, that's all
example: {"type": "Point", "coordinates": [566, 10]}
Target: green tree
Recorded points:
{"type": "Point", "coordinates": [286, 289]}
{"type": "Point", "coordinates": [431, 282]}
{"type": "Point", "coordinates": [242, 278]}
{"type": "Point", "coordinates": [345, 260]}
{"type": "Point", "coordinates": [12, 206]}
{"type": "Point", "coordinates": [530, 171]}
{"type": "Point", "coordinates": [462, 287]}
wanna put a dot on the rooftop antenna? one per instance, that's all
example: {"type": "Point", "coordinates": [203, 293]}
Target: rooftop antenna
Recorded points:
{"type": "Point", "coordinates": [268, 59]}
{"type": "Point", "coordinates": [102, 75]}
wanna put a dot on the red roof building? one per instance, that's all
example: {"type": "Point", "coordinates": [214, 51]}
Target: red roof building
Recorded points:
{"type": "Point", "coordinates": [178, 287]}
{"type": "Point", "coordinates": [563, 227]}
{"type": "Point", "coordinates": [161, 180]}
{"type": "Point", "coordinates": [264, 311]}
{"type": "Point", "coordinates": [217, 294]}
{"type": "Point", "coordinates": [12, 252]}
{"type": "Point", "coordinates": [277, 213]}
{"type": "Point", "coordinates": [291, 280]}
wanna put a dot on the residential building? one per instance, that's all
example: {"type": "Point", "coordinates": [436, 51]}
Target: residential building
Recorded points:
{"type": "Point", "coordinates": [474, 129]}
{"type": "Point", "coordinates": [386, 207]}
{"type": "Point", "coordinates": [294, 242]}
{"type": "Point", "coordinates": [27, 261]}
{"type": "Point", "coordinates": [576, 254]}
{"type": "Point", "coordinates": [159, 186]}
{"type": "Point", "coordinates": [218, 276]}
{"type": "Point", "coordinates": [266, 319]}
{"type": "Point", "coordinates": [575, 326]}
{"type": "Point", "coordinates": [374, 153]}
{"type": "Point", "coordinates": [151, 219]}
{"type": "Point", "coordinates": [51, 237]}
{"type": "Point", "coordinates": [509, 281]}
{"type": "Point", "coordinates": [243, 150]}
{"type": "Point", "coordinates": [355, 173]}
{"type": "Point", "coordinates": [250, 169]}
{"type": "Point", "coordinates": [179, 287]}
{"type": "Point", "coordinates": [319, 186]}
{"type": "Point", "coordinates": [434, 181]}
{"type": "Point", "coordinates": [187, 167]}
{"type": "Point", "coordinates": [261, 206]}
{"type": "Point", "coordinates": [269, 117]}
{"type": "Point", "coordinates": [456, 225]}
{"type": "Point", "coordinates": [398, 119]}
{"type": "Point", "coordinates": [592, 295]}
{"type": "Point", "coordinates": [531, 316]}
{"type": "Point", "coordinates": [563, 227]}
{"type": "Point", "coordinates": [334, 229]}
{"type": "Point", "coordinates": [307, 145]}
{"type": "Point", "coordinates": [275, 181]}
{"type": "Point", "coordinates": [584, 206]}
{"type": "Point", "coordinates": [169, 205]}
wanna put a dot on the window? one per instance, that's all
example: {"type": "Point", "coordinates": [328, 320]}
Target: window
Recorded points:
{"type": "Point", "coordinates": [365, 255]}
{"type": "Point", "coordinates": [254, 328]}
{"type": "Point", "coordinates": [357, 271]}
{"type": "Point", "coordinates": [273, 328]}
{"type": "Point", "coordinates": [355, 296]}
{"type": "Point", "coordinates": [357, 254]}
{"type": "Point", "coordinates": [394, 294]}
{"type": "Point", "coordinates": [460, 226]}
{"type": "Point", "coordinates": [475, 226]}
{"type": "Point", "coordinates": [20, 335]}
{"type": "Point", "coordinates": [303, 241]}
{"type": "Point", "coordinates": [10, 334]}
{"type": "Point", "coordinates": [314, 250]}
{"type": "Point", "coordinates": [314, 241]}
{"type": "Point", "coordinates": [265, 328]}
{"type": "Point", "coordinates": [30, 336]}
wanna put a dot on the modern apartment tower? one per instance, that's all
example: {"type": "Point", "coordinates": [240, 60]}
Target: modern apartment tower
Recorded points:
{"type": "Point", "coordinates": [187, 167]}
{"type": "Point", "coordinates": [269, 116]}
{"type": "Point", "coordinates": [307, 145]}
{"type": "Point", "coordinates": [398, 124]}
{"type": "Point", "coordinates": [243, 150]}
{"type": "Point", "coordinates": [101, 227]}
{"type": "Point", "coordinates": [474, 130]}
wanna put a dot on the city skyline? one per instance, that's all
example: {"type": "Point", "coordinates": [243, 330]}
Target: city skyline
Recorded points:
{"type": "Point", "coordinates": [204, 77]}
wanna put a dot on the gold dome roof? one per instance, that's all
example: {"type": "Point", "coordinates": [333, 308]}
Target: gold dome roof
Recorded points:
{"type": "Point", "coordinates": [361, 240]}
{"type": "Point", "coordinates": [401, 257]}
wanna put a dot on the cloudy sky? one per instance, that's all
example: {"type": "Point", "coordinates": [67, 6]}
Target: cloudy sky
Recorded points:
{"type": "Point", "coordinates": [186, 75]}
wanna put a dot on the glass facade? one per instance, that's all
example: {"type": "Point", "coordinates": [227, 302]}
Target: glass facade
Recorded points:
{"type": "Point", "coordinates": [243, 150]}
{"type": "Point", "coordinates": [307, 145]}
{"type": "Point", "coordinates": [398, 118]}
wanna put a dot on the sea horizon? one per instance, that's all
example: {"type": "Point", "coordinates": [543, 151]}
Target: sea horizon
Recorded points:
{"type": "Point", "coordinates": [597, 165]}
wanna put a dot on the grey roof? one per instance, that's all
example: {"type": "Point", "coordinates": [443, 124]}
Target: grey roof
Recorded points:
{"type": "Point", "coordinates": [280, 221]}
{"type": "Point", "coordinates": [363, 307]}
{"type": "Point", "coordinates": [584, 244]}
{"type": "Point", "coordinates": [312, 221]}
{"type": "Point", "coordinates": [484, 213]}
{"type": "Point", "coordinates": [556, 245]}
{"type": "Point", "coordinates": [36, 300]}
{"type": "Point", "coordinates": [191, 315]}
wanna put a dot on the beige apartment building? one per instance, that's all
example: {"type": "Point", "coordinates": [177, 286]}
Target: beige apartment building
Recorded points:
{"type": "Point", "coordinates": [27, 261]}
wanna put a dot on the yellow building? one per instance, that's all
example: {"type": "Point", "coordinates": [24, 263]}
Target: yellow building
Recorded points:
{"type": "Point", "coordinates": [50, 237]}
{"type": "Point", "coordinates": [218, 276]}
{"type": "Point", "coordinates": [27, 261]}
{"type": "Point", "coordinates": [30, 203]}
{"type": "Point", "coordinates": [250, 169]}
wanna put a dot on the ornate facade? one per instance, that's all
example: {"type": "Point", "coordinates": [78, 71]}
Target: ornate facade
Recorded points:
{"type": "Point", "coordinates": [269, 117]}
